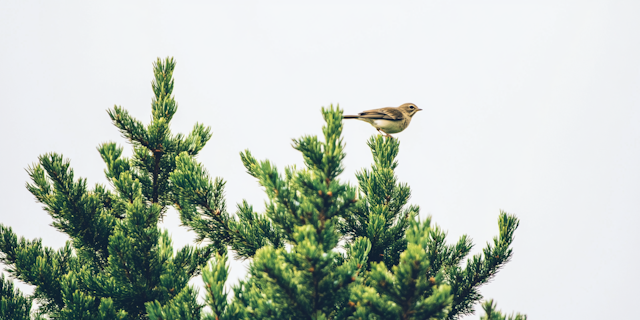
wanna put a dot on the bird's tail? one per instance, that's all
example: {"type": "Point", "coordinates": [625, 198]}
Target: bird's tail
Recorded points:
{"type": "Point", "coordinates": [350, 117]}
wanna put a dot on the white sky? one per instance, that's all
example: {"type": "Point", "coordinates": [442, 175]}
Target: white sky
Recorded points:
{"type": "Point", "coordinates": [530, 108]}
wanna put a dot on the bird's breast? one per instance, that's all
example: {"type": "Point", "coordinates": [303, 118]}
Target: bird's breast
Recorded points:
{"type": "Point", "coordinates": [389, 126]}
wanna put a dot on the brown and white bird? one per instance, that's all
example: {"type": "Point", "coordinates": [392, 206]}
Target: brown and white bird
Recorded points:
{"type": "Point", "coordinates": [388, 120]}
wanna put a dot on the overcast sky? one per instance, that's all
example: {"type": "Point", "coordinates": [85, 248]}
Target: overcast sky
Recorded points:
{"type": "Point", "coordinates": [529, 108]}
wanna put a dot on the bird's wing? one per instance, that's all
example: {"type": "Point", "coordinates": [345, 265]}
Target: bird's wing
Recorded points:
{"type": "Point", "coordinates": [382, 113]}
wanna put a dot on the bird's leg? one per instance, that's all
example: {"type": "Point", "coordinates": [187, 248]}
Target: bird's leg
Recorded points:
{"type": "Point", "coordinates": [384, 133]}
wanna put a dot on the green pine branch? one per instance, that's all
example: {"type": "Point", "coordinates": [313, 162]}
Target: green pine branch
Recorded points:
{"type": "Point", "coordinates": [155, 147]}
{"type": "Point", "coordinates": [40, 266]}
{"type": "Point", "coordinates": [118, 264]}
{"type": "Point", "coordinates": [380, 215]}
{"type": "Point", "coordinates": [481, 268]}
{"type": "Point", "coordinates": [310, 280]}
{"type": "Point", "coordinates": [76, 211]}
{"type": "Point", "coordinates": [200, 201]}
{"type": "Point", "coordinates": [13, 304]}
{"type": "Point", "coordinates": [491, 313]}
{"type": "Point", "coordinates": [407, 291]}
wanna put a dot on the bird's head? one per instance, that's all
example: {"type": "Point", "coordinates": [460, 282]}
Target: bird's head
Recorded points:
{"type": "Point", "coordinates": [409, 109]}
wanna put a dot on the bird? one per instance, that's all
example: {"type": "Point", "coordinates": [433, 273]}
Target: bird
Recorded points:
{"type": "Point", "coordinates": [390, 119]}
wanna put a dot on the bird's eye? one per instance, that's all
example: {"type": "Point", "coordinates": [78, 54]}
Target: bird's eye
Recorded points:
{"type": "Point", "coordinates": [412, 107]}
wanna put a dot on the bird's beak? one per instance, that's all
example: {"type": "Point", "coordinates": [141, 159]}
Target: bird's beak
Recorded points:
{"type": "Point", "coordinates": [419, 109]}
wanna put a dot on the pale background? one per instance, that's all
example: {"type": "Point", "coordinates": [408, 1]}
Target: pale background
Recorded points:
{"type": "Point", "coordinates": [532, 108]}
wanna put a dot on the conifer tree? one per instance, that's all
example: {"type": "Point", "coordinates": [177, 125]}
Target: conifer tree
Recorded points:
{"type": "Point", "coordinates": [394, 267]}
{"type": "Point", "coordinates": [117, 259]}
{"type": "Point", "coordinates": [322, 249]}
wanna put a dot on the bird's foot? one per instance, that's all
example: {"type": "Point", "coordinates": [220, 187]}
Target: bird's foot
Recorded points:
{"type": "Point", "coordinates": [382, 133]}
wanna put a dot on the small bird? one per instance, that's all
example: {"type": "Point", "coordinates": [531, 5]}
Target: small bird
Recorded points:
{"type": "Point", "coordinates": [388, 120]}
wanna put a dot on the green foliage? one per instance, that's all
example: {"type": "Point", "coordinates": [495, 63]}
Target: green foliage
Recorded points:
{"type": "Point", "coordinates": [394, 267]}
{"type": "Point", "coordinates": [407, 291]}
{"type": "Point", "coordinates": [380, 215]}
{"type": "Point", "coordinates": [117, 261]}
{"type": "Point", "coordinates": [13, 305]}
{"type": "Point", "coordinates": [183, 306]}
{"type": "Point", "coordinates": [480, 268]}
{"type": "Point", "coordinates": [202, 207]}
{"type": "Point", "coordinates": [155, 148]}
{"type": "Point", "coordinates": [214, 279]}
{"type": "Point", "coordinates": [42, 267]}
{"type": "Point", "coordinates": [492, 314]}
{"type": "Point", "coordinates": [309, 280]}
{"type": "Point", "coordinates": [322, 248]}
